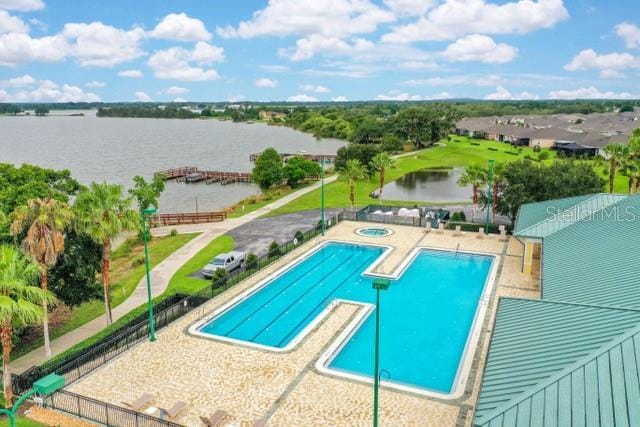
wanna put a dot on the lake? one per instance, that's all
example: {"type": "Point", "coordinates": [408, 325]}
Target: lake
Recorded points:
{"type": "Point", "coordinates": [428, 185]}
{"type": "Point", "coordinates": [117, 149]}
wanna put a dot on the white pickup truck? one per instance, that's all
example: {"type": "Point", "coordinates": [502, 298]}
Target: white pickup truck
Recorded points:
{"type": "Point", "coordinates": [228, 261]}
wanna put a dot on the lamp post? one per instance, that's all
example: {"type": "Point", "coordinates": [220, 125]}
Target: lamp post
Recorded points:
{"type": "Point", "coordinates": [378, 285]}
{"type": "Point", "coordinates": [145, 213]}
{"type": "Point", "coordinates": [489, 196]}
{"type": "Point", "coordinates": [322, 196]}
{"type": "Point", "coordinates": [44, 386]}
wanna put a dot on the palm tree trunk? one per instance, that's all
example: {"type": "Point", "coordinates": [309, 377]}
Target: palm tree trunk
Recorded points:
{"type": "Point", "coordinates": [475, 202]}
{"type": "Point", "coordinates": [106, 286]}
{"type": "Point", "coordinates": [494, 201]}
{"type": "Point", "coordinates": [630, 184]}
{"type": "Point", "coordinates": [45, 318]}
{"type": "Point", "coordinates": [5, 338]}
{"type": "Point", "coordinates": [612, 174]}
{"type": "Point", "coordinates": [637, 183]}
{"type": "Point", "coordinates": [352, 194]}
{"type": "Point", "coordinates": [381, 183]}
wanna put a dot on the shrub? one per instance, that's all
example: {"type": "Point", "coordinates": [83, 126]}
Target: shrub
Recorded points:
{"type": "Point", "coordinates": [299, 236]}
{"type": "Point", "coordinates": [458, 216]}
{"type": "Point", "coordinates": [173, 232]}
{"type": "Point", "coordinates": [536, 149]}
{"type": "Point", "coordinates": [474, 143]}
{"type": "Point", "coordinates": [513, 153]}
{"type": "Point", "coordinates": [136, 261]}
{"type": "Point", "coordinates": [492, 149]}
{"type": "Point", "coordinates": [274, 250]}
{"type": "Point", "coordinates": [220, 276]}
{"type": "Point", "coordinates": [543, 155]}
{"type": "Point", "coordinates": [251, 261]}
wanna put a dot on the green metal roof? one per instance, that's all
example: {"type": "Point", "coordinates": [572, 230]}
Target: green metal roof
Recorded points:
{"type": "Point", "coordinates": [561, 215]}
{"type": "Point", "coordinates": [534, 340]}
{"type": "Point", "coordinates": [602, 389]}
{"type": "Point", "coordinates": [596, 260]}
{"type": "Point", "coordinates": [533, 213]}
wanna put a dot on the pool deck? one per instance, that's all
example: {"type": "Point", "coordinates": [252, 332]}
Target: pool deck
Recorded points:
{"type": "Point", "coordinates": [285, 388]}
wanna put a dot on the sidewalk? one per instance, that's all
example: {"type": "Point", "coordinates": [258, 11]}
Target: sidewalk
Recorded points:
{"type": "Point", "coordinates": [160, 275]}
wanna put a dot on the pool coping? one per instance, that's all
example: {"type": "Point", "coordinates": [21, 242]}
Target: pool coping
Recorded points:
{"type": "Point", "coordinates": [361, 234]}
{"type": "Point", "coordinates": [325, 358]}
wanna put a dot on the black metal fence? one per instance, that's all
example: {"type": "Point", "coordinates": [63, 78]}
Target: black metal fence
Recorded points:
{"type": "Point", "coordinates": [101, 412]}
{"type": "Point", "coordinates": [84, 361]}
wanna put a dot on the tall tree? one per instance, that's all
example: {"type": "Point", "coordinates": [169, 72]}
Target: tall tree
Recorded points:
{"type": "Point", "coordinates": [423, 126]}
{"type": "Point", "coordinates": [268, 169]}
{"type": "Point", "coordinates": [21, 303]}
{"type": "Point", "coordinates": [45, 221]}
{"type": "Point", "coordinates": [381, 162]}
{"type": "Point", "coordinates": [147, 194]}
{"type": "Point", "coordinates": [103, 212]}
{"type": "Point", "coordinates": [497, 181]}
{"type": "Point", "coordinates": [475, 176]}
{"type": "Point", "coordinates": [616, 153]}
{"type": "Point", "coordinates": [353, 171]}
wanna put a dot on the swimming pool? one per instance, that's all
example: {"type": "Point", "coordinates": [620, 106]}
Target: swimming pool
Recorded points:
{"type": "Point", "coordinates": [426, 314]}
{"type": "Point", "coordinates": [374, 231]}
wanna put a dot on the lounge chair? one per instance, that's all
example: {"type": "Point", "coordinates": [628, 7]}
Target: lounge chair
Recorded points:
{"type": "Point", "coordinates": [140, 402]}
{"type": "Point", "coordinates": [175, 409]}
{"type": "Point", "coordinates": [480, 234]}
{"type": "Point", "coordinates": [214, 419]}
{"type": "Point", "coordinates": [458, 231]}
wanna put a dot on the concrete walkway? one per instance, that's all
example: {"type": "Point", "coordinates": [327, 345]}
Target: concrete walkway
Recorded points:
{"type": "Point", "coordinates": [160, 275]}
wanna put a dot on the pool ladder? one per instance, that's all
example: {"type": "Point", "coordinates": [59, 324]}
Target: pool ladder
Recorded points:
{"type": "Point", "coordinates": [457, 249]}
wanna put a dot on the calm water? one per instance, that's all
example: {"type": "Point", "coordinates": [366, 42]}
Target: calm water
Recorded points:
{"type": "Point", "coordinates": [115, 150]}
{"type": "Point", "coordinates": [426, 315]}
{"type": "Point", "coordinates": [428, 185]}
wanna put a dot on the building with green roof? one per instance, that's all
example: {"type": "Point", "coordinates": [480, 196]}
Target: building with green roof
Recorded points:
{"type": "Point", "coordinates": [573, 357]}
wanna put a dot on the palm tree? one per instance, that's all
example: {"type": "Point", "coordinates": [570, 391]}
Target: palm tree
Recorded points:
{"type": "Point", "coordinates": [382, 162]}
{"type": "Point", "coordinates": [498, 179]}
{"type": "Point", "coordinates": [44, 221]}
{"type": "Point", "coordinates": [475, 176]}
{"type": "Point", "coordinates": [353, 171]}
{"type": "Point", "coordinates": [616, 154]}
{"type": "Point", "coordinates": [21, 304]}
{"type": "Point", "coordinates": [103, 212]}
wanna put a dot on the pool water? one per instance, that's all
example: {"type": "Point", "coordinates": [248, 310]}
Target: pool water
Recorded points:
{"type": "Point", "coordinates": [426, 314]}
{"type": "Point", "coordinates": [374, 231]}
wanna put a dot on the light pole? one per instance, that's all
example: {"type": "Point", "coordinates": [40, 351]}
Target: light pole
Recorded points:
{"type": "Point", "coordinates": [322, 195]}
{"type": "Point", "coordinates": [145, 213]}
{"type": "Point", "coordinates": [378, 285]}
{"type": "Point", "coordinates": [44, 386]}
{"type": "Point", "coordinates": [489, 196]}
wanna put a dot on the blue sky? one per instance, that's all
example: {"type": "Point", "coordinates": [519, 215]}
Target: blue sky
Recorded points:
{"type": "Point", "coordinates": [215, 50]}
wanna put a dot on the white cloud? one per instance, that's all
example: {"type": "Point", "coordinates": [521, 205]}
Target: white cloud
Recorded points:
{"type": "Point", "coordinates": [354, 74]}
{"type": "Point", "coordinates": [302, 98]}
{"type": "Point", "coordinates": [236, 98]}
{"type": "Point", "coordinates": [25, 80]}
{"type": "Point", "coordinates": [455, 18]}
{"type": "Point", "coordinates": [476, 47]}
{"type": "Point", "coordinates": [335, 18]}
{"type": "Point", "coordinates": [275, 68]}
{"type": "Point", "coordinates": [472, 80]}
{"type": "Point", "coordinates": [179, 100]}
{"type": "Point", "coordinates": [410, 7]}
{"type": "Point", "coordinates": [589, 93]}
{"type": "Point", "coordinates": [132, 74]}
{"type": "Point", "coordinates": [22, 5]}
{"type": "Point", "coordinates": [502, 94]}
{"type": "Point", "coordinates": [95, 83]}
{"type": "Point", "coordinates": [49, 91]}
{"type": "Point", "coordinates": [176, 90]}
{"type": "Point", "coordinates": [3, 96]}
{"type": "Point", "coordinates": [589, 59]}
{"type": "Point", "coordinates": [340, 99]}
{"type": "Point", "coordinates": [308, 47]}
{"type": "Point", "coordinates": [612, 74]}
{"type": "Point", "coordinates": [180, 27]}
{"type": "Point", "coordinates": [396, 95]}
{"type": "Point", "coordinates": [315, 88]}
{"type": "Point", "coordinates": [630, 33]}
{"type": "Point", "coordinates": [441, 95]}
{"type": "Point", "coordinates": [418, 65]}
{"type": "Point", "coordinates": [142, 96]}
{"type": "Point", "coordinates": [100, 45]}
{"type": "Point", "coordinates": [178, 63]}
{"type": "Point", "coordinates": [265, 83]}
{"type": "Point", "coordinates": [11, 24]}
{"type": "Point", "coordinates": [17, 48]}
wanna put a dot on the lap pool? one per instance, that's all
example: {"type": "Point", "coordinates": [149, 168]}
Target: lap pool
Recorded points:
{"type": "Point", "coordinates": [427, 313]}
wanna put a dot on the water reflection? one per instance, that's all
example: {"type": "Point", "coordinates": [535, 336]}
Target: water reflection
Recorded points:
{"type": "Point", "coordinates": [428, 185]}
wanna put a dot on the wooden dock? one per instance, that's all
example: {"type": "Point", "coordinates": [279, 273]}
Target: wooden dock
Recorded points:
{"type": "Point", "coordinates": [285, 156]}
{"type": "Point", "coordinates": [188, 218]}
{"type": "Point", "coordinates": [191, 174]}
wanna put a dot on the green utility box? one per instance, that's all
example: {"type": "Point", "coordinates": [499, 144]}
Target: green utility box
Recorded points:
{"type": "Point", "coordinates": [49, 384]}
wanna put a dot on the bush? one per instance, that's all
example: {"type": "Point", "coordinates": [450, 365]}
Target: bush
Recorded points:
{"type": "Point", "coordinates": [536, 149]}
{"type": "Point", "coordinates": [274, 250]}
{"type": "Point", "coordinates": [458, 216]}
{"type": "Point", "coordinates": [173, 232]}
{"type": "Point", "coordinates": [513, 153]}
{"type": "Point", "coordinates": [543, 155]}
{"type": "Point", "coordinates": [391, 143]}
{"type": "Point", "coordinates": [251, 261]}
{"type": "Point", "coordinates": [474, 143]}
{"type": "Point", "coordinates": [139, 260]}
{"type": "Point", "coordinates": [492, 149]}
{"type": "Point", "coordinates": [299, 236]}
{"type": "Point", "coordinates": [220, 277]}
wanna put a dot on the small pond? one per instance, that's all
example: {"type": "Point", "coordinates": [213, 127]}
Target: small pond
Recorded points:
{"type": "Point", "coordinates": [428, 185]}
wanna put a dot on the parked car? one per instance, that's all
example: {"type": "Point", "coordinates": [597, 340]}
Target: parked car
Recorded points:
{"type": "Point", "coordinates": [227, 261]}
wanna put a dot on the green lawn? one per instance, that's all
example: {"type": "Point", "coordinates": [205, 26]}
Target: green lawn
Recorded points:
{"type": "Point", "coordinates": [21, 422]}
{"type": "Point", "coordinates": [457, 153]}
{"type": "Point", "coordinates": [124, 279]}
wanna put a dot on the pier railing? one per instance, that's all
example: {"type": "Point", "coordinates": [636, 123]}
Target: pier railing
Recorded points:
{"type": "Point", "coordinates": [188, 218]}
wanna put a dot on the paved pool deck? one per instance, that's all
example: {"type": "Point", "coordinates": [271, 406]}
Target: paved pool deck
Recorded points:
{"type": "Point", "coordinates": [285, 388]}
